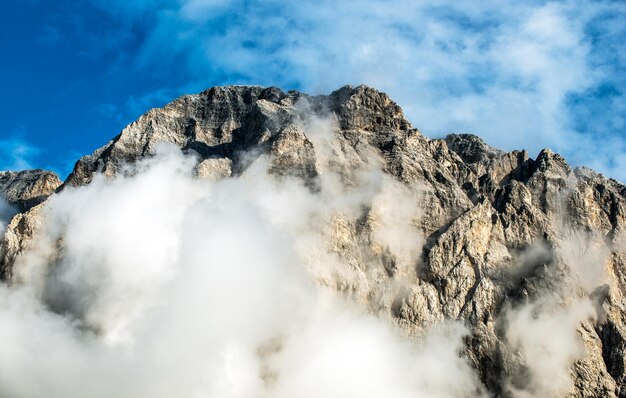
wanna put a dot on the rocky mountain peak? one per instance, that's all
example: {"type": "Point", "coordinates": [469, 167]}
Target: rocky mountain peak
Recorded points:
{"type": "Point", "coordinates": [471, 148]}
{"type": "Point", "coordinates": [226, 121]}
{"type": "Point", "coordinates": [495, 238]}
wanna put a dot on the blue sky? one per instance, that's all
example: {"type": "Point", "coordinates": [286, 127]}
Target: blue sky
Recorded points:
{"type": "Point", "coordinates": [530, 74]}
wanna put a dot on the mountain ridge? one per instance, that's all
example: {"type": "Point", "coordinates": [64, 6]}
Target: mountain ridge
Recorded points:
{"type": "Point", "coordinates": [481, 208]}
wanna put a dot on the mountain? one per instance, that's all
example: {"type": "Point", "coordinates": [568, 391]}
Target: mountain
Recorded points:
{"type": "Point", "coordinates": [515, 248]}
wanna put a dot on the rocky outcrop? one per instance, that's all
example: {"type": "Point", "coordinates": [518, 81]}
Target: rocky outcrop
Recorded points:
{"type": "Point", "coordinates": [501, 231]}
{"type": "Point", "coordinates": [25, 189]}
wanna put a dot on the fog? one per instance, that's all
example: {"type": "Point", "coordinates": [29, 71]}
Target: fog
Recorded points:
{"type": "Point", "coordinates": [544, 330]}
{"type": "Point", "coordinates": [159, 284]}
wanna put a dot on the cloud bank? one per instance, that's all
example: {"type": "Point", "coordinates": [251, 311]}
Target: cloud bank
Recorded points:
{"type": "Point", "coordinates": [160, 284]}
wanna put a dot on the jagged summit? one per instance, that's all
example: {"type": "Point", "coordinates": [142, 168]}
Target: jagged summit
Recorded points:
{"type": "Point", "coordinates": [226, 121]}
{"type": "Point", "coordinates": [471, 148]}
{"type": "Point", "coordinates": [481, 210]}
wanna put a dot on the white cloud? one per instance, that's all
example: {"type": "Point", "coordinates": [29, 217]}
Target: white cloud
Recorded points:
{"type": "Point", "coordinates": [504, 71]}
{"type": "Point", "coordinates": [546, 337]}
{"type": "Point", "coordinates": [167, 285]}
{"type": "Point", "coordinates": [16, 154]}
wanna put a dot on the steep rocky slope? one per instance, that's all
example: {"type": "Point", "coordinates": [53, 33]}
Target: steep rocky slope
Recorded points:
{"type": "Point", "coordinates": [505, 239]}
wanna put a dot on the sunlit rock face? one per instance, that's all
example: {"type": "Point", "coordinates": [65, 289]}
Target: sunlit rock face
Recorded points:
{"type": "Point", "coordinates": [28, 188]}
{"type": "Point", "coordinates": [527, 253]}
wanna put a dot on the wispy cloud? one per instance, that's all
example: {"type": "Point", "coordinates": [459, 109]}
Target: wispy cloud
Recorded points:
{"type": "Point", "coordinates": [525, 75]}
{"type": "Point", "coordinates": [16, 154]}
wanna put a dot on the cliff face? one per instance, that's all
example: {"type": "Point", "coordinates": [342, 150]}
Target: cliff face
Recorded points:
{"type": "Point", "coordinates": [502, 239]}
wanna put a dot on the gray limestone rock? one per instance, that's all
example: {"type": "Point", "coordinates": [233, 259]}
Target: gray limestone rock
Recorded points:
{"type": "Point", "coordinates": [214, 168]}
{"type": "Point", "coordinates": [497, 226]}
{"type": "Point", "coordinates": [25, 189]}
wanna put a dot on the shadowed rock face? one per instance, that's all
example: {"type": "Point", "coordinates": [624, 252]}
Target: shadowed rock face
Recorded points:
{"type": "Point", "coordinates": [483, 210]}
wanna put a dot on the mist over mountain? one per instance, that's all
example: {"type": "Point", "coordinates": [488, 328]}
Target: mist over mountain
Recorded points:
{"type": "Point", "coordinates": [250, 242]}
